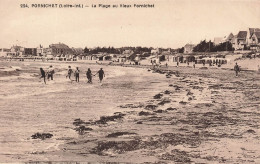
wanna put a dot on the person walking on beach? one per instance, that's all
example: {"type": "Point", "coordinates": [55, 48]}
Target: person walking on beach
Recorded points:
{"type": "Point", "coordinates": [101, 74]}
{"type": "Point", "coordinates": [43, 75]}
{"type": "Point", "coordinates": [236, 69]}
{"type": "Point", "coordinates": [69, 72]}
{"type": "Point", "coordinates": [77, 74]}
{"type": "Point", "coordinates": [89, 76]}
{"type": "Point", "coordinates": [50, 73]}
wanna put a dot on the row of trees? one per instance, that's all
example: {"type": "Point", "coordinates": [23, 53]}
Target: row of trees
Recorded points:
{"type": "Point", "coordinates": [103, 49]}
{"type": "Point", "coordinates": [205, 46]}
{"type": "Point", "coordinates": [136, 50]}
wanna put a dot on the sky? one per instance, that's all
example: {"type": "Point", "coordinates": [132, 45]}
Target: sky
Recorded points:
{"type": "Point", "coordinates": [170, 24]}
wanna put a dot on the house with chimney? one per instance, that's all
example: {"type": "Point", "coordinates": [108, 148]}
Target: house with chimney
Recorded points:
{"type": "Point", "coordinates": [250, 39]}
{"type": "Point", "coordinates": [229, 38]}
{"type": "Point", "coordinates": [240, 40]}
{"type": "Point", "coordinates": [255, 41]}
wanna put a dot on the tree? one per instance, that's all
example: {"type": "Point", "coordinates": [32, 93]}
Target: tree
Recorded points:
{"type": "Point", "coordinates": [181, 50]}
{"type": "Point", "coordinates": [226, 46]}
{"type": "Point", "coordinates": [86, 50]}
{"type": "Point", "coordinates": [204, 46]}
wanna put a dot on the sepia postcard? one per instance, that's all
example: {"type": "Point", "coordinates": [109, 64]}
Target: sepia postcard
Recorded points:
{"type": "Point", "coordinates": [130, 81]}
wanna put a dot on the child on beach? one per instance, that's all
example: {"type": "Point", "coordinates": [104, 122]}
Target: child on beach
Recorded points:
{"type": "Point", "coordinates": [236, 69]}
{"type": "Point", "coordinates": [77, 74]}
{"type": "Point", "coordinates": [50, 73]}
{"type": "Point", "coordinates": [101, 74]}
{"type": "Point", "coordinates": [69, 72]}
{"type": "Point", "coordinates": [43, 75]}
{"type": "Point", "coordinates": [89, 76]}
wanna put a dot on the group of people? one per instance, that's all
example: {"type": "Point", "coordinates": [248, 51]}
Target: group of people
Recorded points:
{"type": "Point", "coordinates": [50, 72]}
{"type": "Point", "coordinates": [101, 74]}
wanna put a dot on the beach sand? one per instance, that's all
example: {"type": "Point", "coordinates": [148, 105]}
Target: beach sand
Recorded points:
{"type": "Point", "coordinates": [137, 115]}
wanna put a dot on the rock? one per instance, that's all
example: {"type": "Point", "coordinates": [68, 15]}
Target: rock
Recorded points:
{"type": "Point", "coordinates": [131, 106]}
{"type": "Point", "coordinates": [167, 92]}
{"type": "Point", "coordinates": [139, 122]}
{"type": "Point", "coordinates": [117, 134]}
{"type": "Point", "coordinates": [158, 96]}
{"type": "Point", "coordinates": [164, 102]}
{"type": "Point", "coordinates": [177, 156]}
{"type": "Point", "coordinates": [158, 111]}
{"type": "Point", "coordinates": [142, 113]}
{"type": "Point", "coordinates": [250, 131]}
{"type": "Point", "coordinates": [82, 129]}
{"type": "Point", "coordinates": [105, 119]}
{"type": "Point", "coordinates": [189, 93]}
{"type": "Point", "coordinates": [151, 107]}
{"type": "Point", "coordinates": [171, 108]}
{"type": "Point", "coordinates": [183, 102]}
{"type": "Point", "coordinates": [78, 122]}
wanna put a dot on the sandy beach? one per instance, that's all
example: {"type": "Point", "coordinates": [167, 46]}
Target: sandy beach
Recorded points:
{"type": "Point", "coordinates": [137, 115]}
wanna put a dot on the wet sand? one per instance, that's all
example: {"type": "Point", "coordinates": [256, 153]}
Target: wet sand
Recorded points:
{"type": "Point", "coordinates": [178, 114]}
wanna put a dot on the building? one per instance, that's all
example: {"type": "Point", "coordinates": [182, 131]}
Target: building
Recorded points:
{"type": "Point", "coordinates": [240, 41]}
{"type": "Point", "coordinates": [4, 52]}
{"type": "Point", "coordinates": [188, 48]}
{"type": "Point", "coordinates": [255, 41]}
{"type": "Point", "coordinates": [60, 50]}
{"type": "Point", "coordinates": [229, 38]}
{"type": "Point", "coordinates": [250, 41]}
{"type": "Point", "coordinates": [17, 51]}
{"type": "Point", "coordinates": [156, 51]}
{"type": "Point", "coordinates": [40, 51]}
{"type": "Point", "coordinates": [30, 52]}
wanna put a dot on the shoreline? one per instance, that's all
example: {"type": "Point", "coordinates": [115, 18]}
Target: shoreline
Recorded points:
{"type": "Point", "coordinates": [162, 66]}
{"type": "Point", "coordinates": [189, 120]}
{"type": "Point", "coordinates": [137, 140]}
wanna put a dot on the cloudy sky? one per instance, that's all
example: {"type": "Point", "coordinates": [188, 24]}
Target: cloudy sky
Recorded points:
{"type": "Point", "coordinates": [172, 23]}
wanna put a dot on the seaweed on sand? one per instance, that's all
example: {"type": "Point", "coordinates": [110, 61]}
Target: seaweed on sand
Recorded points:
{"type": "Point", "coordinates": [42, 136]}
{"type": "Point", "coordinates": [131, 106]}
{"type": "Point", "coordinates": [142, 113]}
{"type": "Point", "coordinates": [79, 122]}
{"type": "Point", "coordinates": [117, 134]}
{"type": "Point", "coordinates": [183, 102]}
{"type": "Point", "coordinates": [81, 130]}
{"type": "Point", "coordinates": [177, 156]}
{"type": "Point", "coordinates": [151, 107]}
{"type": "Point", "coordinates": [208, 119]}
{"type": "Point", "coordinates": [105, 119]}
{"type": "Point", "coordinates": [167, 92]}
{"type": "Point", "coordinates": [158, 96]}
{"type": "Point", "coordinates": [159, 111]}
{"type": "Point", "coordinates": [117, 146]}
{"type": "Point", "coordinates": [170, 108]}
{"type": "Point", "coordinates": [153, 142]}
{"type": "Point", "coordinates": [164, 102]}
